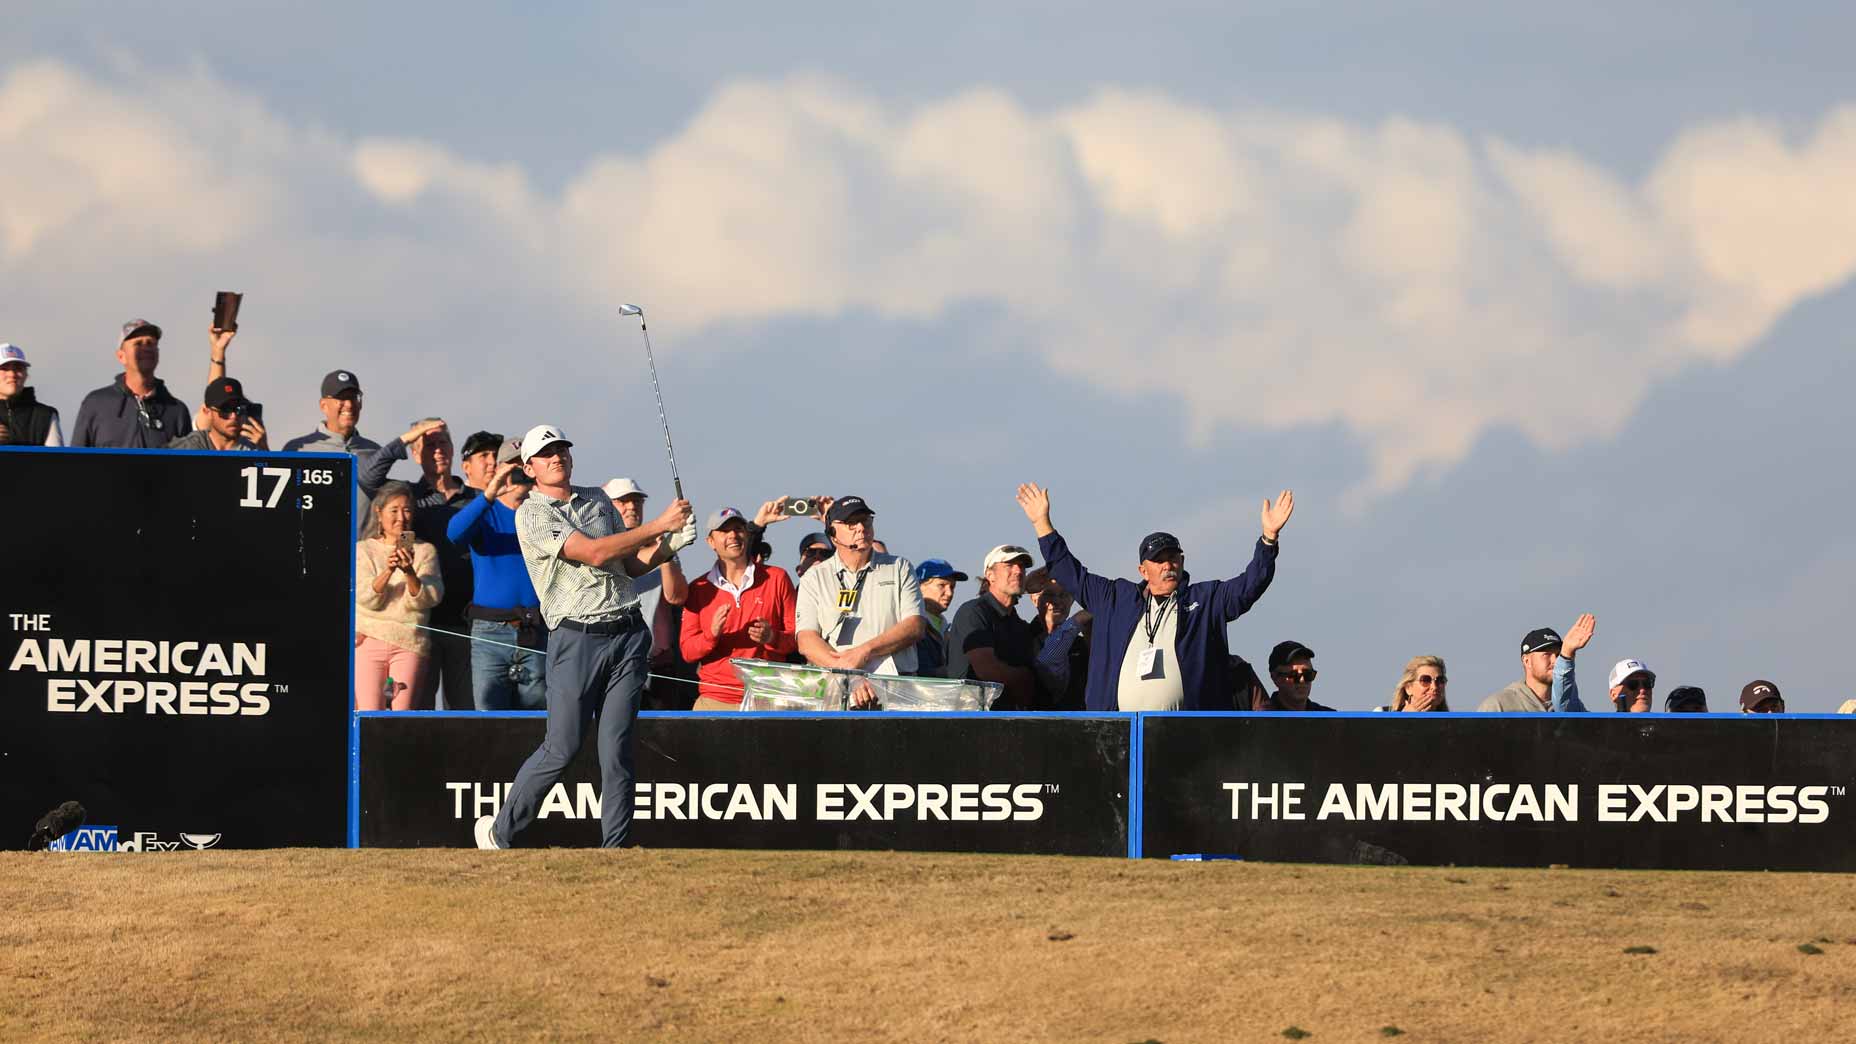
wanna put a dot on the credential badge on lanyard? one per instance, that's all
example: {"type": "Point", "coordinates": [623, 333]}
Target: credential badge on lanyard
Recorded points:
{"type": "Point", "coordinates": [847, 605]}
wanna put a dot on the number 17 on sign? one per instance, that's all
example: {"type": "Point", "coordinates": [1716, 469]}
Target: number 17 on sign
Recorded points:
{"type": "Point", "coordinates": [280, 477]}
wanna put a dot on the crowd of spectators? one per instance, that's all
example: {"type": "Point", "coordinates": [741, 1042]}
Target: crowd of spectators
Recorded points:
{"type": "Point", "coordinates": [448, 614]}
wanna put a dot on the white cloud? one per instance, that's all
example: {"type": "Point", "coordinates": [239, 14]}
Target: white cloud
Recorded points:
{"type": "Point", "coordinates": [1262, 269]}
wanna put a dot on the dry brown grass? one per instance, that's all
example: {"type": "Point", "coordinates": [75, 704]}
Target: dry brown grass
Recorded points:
{"type": "Point", "coordinates": [684, 945]}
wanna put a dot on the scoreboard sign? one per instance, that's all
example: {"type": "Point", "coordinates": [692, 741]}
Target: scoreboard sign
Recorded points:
{"type": "Point", "coordinates": [175, 629]}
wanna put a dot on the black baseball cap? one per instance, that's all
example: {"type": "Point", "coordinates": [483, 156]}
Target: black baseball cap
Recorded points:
{"type": "Point", "coordinates": [1157, 544]}
{"type": "Point", "coordinates": [224, 392]}
{"type": "Point", "coordinates": [1287, 651]}
{"type": "Point", "coordinates": [1685, 698]}
{"type": "Point", "coordinates": [814, 540]}
{"type": "Point", "coordinates": [1540, 638]}
{"type": "Point", "coordinates": [478, 442]}
{"type": "Point", "coordinates": [339, 381]}
{"type": "Point", "coordinates": [844, 507]}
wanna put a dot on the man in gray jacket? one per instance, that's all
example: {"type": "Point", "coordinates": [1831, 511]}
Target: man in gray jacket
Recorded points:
{"type": "Point", "coordinates": [1547, 682]}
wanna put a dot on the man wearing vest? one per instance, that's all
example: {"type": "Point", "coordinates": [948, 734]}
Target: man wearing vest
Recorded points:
{"type": "Point", "coordinates": [1160, 644]}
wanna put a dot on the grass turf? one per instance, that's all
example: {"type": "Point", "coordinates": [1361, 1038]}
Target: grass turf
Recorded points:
{"type": "Point", "coordinates": [710, 945]}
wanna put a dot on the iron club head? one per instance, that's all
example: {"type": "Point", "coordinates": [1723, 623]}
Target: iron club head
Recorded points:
{"type": "Point", "coordinates": [630, 309]}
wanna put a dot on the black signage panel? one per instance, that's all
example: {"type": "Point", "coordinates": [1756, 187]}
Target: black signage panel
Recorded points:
{"type": "Point", "coordinates": [954, 783]}
{"type": "Point", "coordinates": [1616, 791]}
{"type": "Point", "coordinates": [175, 632]}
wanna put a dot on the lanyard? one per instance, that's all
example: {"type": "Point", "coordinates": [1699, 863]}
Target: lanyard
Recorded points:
{"type": "Point", "coordinates": [856, 592]}
{"type": "Point", "coordinates": [1153, 622]}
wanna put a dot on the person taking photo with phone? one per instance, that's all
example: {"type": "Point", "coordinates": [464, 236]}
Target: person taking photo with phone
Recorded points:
{"type": "Point", "coordinates": [231, 421]}
{"type": "Point", "coordinates": [396, 584]}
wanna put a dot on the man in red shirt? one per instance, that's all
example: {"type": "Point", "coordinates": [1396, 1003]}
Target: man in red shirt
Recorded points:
{"type": "Point", "coordinates": [739, 610]}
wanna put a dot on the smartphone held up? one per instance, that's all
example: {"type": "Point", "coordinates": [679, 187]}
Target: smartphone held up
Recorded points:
{"type": "Point", "coordinates": [225, 310]}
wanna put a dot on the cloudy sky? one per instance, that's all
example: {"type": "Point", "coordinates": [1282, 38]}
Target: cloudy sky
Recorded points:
{"type": "Point", "coordinates": [1537, 315]}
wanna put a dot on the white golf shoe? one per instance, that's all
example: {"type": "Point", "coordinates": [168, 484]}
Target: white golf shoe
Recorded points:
{"type": "Point", "coordinates": [486, 832]}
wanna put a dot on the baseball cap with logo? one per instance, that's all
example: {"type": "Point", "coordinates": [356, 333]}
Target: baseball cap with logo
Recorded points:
{"type": "Point", "coordinates": [339, 381]}
{"type": "Point", "coordinates": [1758, 692]}
{"type": "Point", "coordinates": [1156, 544]}
{"type": "Point", "coordinates": [13, 353]}
{"type": "Point", "coordinates": [1625, 668]}
{"type": "Point", "coordinates": [1007, 553]}
{"type": "Point", "coordinates": [723, 516]}
{"type": "Point", "coordinates": [540, 437]}
{"type": "Point", "coordinates": [479, 442]}
{"type": "Point", "coordinates": [1287, 651]}
{"type": "Point", "coordinates": [139, 328]}
{"type": "Point", "coordinates": [938, 569]}
{"type": "Point", "coordinates": [225, 392]}
{"type": "Point", "coordinates": [620, 488]}
{"type": "Point", "coordinates": [844, 507]}
{"type": "Point", "coordinates": [1540, 638]}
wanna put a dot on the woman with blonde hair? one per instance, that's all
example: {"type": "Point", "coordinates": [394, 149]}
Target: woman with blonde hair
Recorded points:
{"type": "Point", "coordinates": [1422, 686]}
{"type": "Point", "coordinates": [396, 584]}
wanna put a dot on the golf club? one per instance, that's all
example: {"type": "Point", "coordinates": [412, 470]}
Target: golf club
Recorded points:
{"type": "Point", "coordinates": [669, 450]}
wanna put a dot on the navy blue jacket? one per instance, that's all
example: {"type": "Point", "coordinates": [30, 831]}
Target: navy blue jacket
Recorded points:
{"type": "Point", "coordinates": [1200, 647]}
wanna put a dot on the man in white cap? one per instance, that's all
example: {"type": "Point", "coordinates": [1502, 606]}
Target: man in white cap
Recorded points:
{"type": "Point", "coordinates": [660, 593]}
{"type": "Point", "coordinates": [1633, 686]}
{"type": "Point", "coordinates": [582, 558]}
{"type": "Point", "coordinates": [24, 420]}
{"type": "Point", "coordinates": [988, 641]}
{"type": "Point", "coordinates": [135, 410]}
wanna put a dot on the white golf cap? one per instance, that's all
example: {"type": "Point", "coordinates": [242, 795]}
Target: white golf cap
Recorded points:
{"type": "Point", "coordinates": [620, 488]}
{"type": "Point", "coordinates": [1007, 553]}
{"type": "Point", "coordinates": [13, 353]}
{"type": "Point", "coordinates": [1626, 668]}
{"type": "Point", "coordinates": [539, 437]}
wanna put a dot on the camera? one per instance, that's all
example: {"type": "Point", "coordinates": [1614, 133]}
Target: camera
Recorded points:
{"type": "Point", "coordinates": [800, 507]}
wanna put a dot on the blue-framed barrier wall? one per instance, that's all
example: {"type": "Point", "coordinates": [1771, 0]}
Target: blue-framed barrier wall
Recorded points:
{"type": "Point", "coordinates": [1597, 790]}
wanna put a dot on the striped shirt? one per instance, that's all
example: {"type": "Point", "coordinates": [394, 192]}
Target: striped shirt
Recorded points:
{"type": "Point", "coordinates": [572, 590]}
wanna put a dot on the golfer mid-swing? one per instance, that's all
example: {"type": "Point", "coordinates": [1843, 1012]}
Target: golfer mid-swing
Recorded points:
{"type": "Point", "coordinates": [581, 559]}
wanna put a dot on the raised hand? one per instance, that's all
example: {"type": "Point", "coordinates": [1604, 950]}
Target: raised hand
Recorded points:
{"type": "Point", "coordinates": [1035, 499]}
{"type": "Point", "coordinates": [421, 430]}
{"type": "Point", "coordinates": [253, 431]}
{"type": "Point", "coordinates": [772, 511]}
{"type": "Point", "coordinates": [1578, 634]}
{"type": "Point", "coordinates": [759, 632]}
{"type": "Point", "coordinates": [1276, 514]}
{"type": "Point", "coordinates": [499, 479]}
{"type": "Point", "coordinates": [721, 621]}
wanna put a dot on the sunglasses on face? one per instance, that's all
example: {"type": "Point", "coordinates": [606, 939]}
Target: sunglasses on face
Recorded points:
{"type": "Point", "coordinates": [1431, 679]}
{"type": "Point", "coordinates": [1639, 684]}
{"type": "Point", "coordinates": [1306, 674]}
{"type": "Point", "coordinates": [817, 552]}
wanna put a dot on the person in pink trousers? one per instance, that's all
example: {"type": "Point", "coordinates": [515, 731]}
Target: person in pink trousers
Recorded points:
{"type": "Point", "coordinates": [397, 583]}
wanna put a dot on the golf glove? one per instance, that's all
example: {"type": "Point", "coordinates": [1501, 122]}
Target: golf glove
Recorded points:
{"type": "Point", "coordinates": [684, 537]}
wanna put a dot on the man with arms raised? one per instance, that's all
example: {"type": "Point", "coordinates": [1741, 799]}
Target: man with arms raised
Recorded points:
{"type": "Point", "coordinates": [581, 559]}
{"type": "Point", "coordinates": [859, 610]}
{"type": "Point", "coordinates": [1159, 644]}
